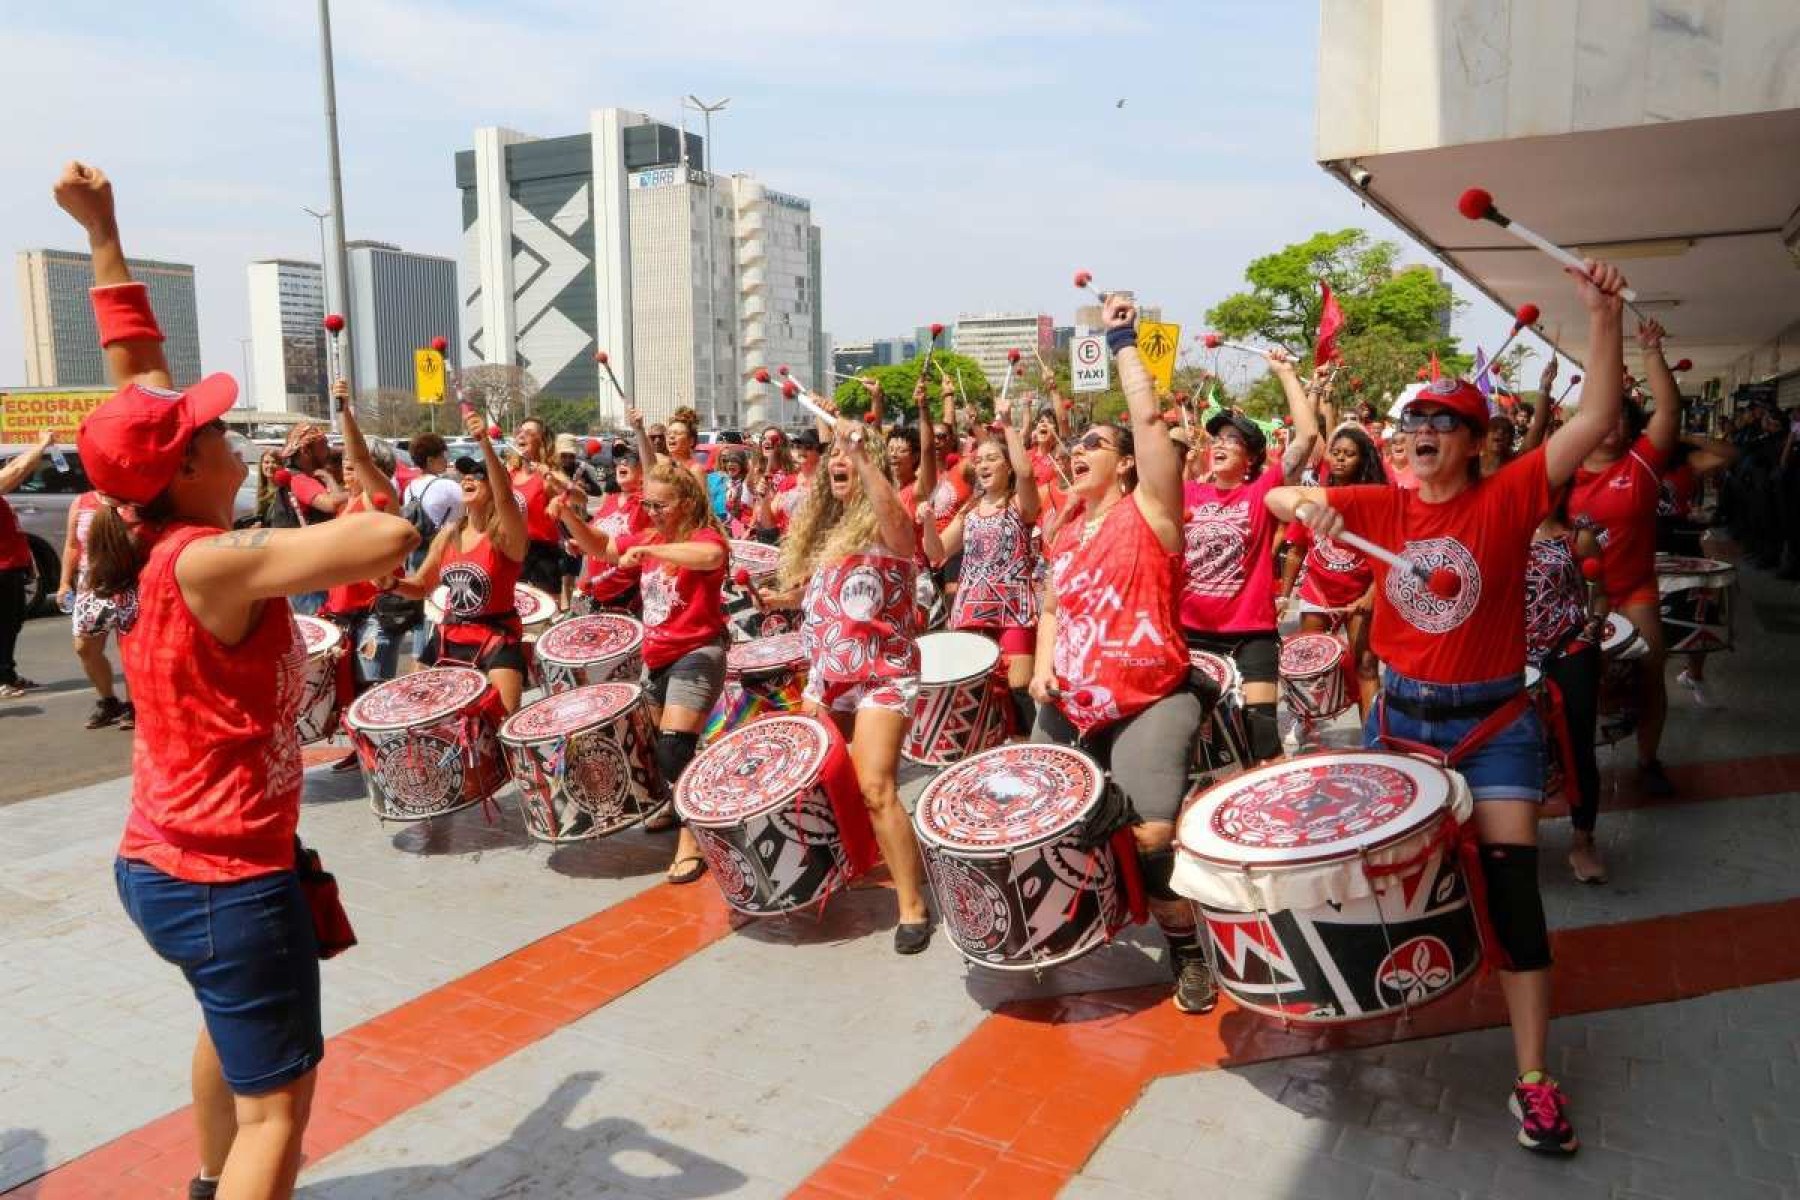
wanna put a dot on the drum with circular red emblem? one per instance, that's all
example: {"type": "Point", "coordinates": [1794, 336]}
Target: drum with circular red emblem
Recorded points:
{"type": "Point", "coordinates": [586, 650]}
{"type": "Point", "coordinates": [1330, 886]}
{"type": "Point", "coordinates": [1697, 596]}
{"type": "Point", "coordinates": [536, 608]}
{"type": "Point", "coordinates": [1312, 676]}
{"type": "Point", "coordinates": [427, 742]}
{"type": "Point", "coordinates": [771, 805]}
{"type": "Point", "coordinates": [747, 622]}
{"type": "Point", "coordinates": [963, 706]}
{"type": "Point", "coordinates": [762, 676]}
{"type": "Point", "coordinates": [585, 762]}
{"type": "Point", "coordinates": [1018, 847]}
{"type": "Point", "coordinates": [321, 701]}
{"type": "Point", "coordinates": [1222, 750]}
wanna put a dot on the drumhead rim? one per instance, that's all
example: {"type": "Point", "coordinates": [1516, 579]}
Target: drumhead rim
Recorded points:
{"type": "Point", "coordinates": [634, 647]}
{"type": "Point", "coordinates": [981, 673]}
{"type": "Point", "coordinates": [959, 851]}
{"type": "Point", "coordinates": [625, 710]}
{"type": "Point", "coordinates": [334, 636]}
{"type": "Point", "coordinates": [350, 721]}
{"type": "Point", "coordinates": [1300, 640]}
{"type": "Point", "coordinates": [684, 786]}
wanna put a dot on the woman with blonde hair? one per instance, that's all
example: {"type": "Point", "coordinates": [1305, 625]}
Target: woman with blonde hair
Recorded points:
{"type": "Point", "coordinates": [847, 564]}
{"type": "Point", "coordinates": [680, 565]}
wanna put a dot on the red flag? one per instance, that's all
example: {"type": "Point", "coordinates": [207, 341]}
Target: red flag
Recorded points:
{"type": "Point", "coordinates": [1331, 319]}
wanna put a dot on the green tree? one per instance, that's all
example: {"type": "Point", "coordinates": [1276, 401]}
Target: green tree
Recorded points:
{"type": "Point", "coordinates": [568, 416]}
{"type": "Point", "coordinates": [897, 387]}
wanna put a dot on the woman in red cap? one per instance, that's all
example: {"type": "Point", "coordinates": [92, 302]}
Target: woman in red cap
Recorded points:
{"type": "Point", "coordinates": [1454, 656]}
{"type": "Point", "coordinates": [206, 869]}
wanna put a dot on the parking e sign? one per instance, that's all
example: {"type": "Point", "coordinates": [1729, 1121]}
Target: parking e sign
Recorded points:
{"type": "Point", "coordinates": [1088, 370]}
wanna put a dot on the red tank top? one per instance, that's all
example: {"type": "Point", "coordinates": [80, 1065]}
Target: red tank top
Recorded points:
{"type": "Point", "coordinates": [349, 598]}
{"type": "Point", "coordinates": [215, 767]}
{"type": "Point", "coordinates": [858, 623]}
{"type": "Point", "coordinates": [15, 551]}
{"type": "Point", "coordinates": [539, 525]}
{"type": "Point", "coordinates": [479, 598]}
{"type": "Point", "coordinates": [1119, 647]}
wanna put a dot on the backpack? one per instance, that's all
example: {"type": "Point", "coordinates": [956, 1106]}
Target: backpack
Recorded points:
{"type": "Point", "coordinates": [414, 511]}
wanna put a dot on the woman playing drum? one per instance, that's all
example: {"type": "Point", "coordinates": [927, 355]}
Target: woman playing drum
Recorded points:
{"type": "Point", "coordinates": [604, 583]}
{"type": "Point", "coordinates": [1112, 669]}
{"type": "Point", "coordinates": [478, 558]}
{"type": "Point", "coordinates": [206, 869]}
{"type": "Point", "coordinates": [679, 563]}
{"type": "Point", "coordinates": [847, 564]}
{"type": "Point", "coordinates": [1454, 648]}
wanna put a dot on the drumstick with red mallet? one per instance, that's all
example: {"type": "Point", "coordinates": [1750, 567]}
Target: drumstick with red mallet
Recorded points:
{"type": "Point", "coordinates": [1567, 388]}
{"type": "Point", "coordinates": [1442, 582]}
{"type": "Point", "coordinates": [605, 361]}
{"type": "Point", "coordinates": [334, 343]}
{"type": "Point", "coordinates": [1526, 317]}
{"type": "Point", "coordinates": [1477, 204]}
{"type": "Point", "coordinates": [1213, 341]}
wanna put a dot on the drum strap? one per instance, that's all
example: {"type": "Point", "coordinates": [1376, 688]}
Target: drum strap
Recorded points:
{"type": "Point", "coordinates": [1463, 842]}
{"type": "Point", "coordinates": [1508, 711]}
{"type": "Point", "coordinates": [1556, 728]}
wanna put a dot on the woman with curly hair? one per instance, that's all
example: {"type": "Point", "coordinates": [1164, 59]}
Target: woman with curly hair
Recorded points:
{"type": "Point", "coordinates": [847, 564]}
{"type": "Point", "coordinates": [680, 567]}
{"type": "Point", "coordinates": [681, 435]}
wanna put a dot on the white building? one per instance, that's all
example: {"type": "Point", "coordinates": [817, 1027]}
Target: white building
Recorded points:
{"type": "Point", "coordinates": [287, 337]}
{"type": "Point", "coordinates": [615, 240]}
{"type": "Point", "coordinates": [399, 301]}
{"type": "Point", "coordinates": [988, 337]}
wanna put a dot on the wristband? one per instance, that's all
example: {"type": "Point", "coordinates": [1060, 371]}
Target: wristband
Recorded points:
{"type": "Point", "coordinates": [1118, 339]}
{"type": "Point", "coordinates": [123, 313]}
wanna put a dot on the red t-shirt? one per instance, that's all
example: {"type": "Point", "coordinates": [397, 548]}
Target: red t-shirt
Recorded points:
{"type": "Point", "coordinates": [1483, 534]}
{"type": "Point", "coordinates": [1228, 583]}
{"type": "Point", "coordinates": [215, 767]}
{"type": "Point", "coordinates": [306, 489]}
{"type": "Point", "coordinates": [683, 609]}
{"type": "Point", "coordinates": [947, 498]}
{"type": "Point", "coordinates": [15, 551]}
{"type": "Point", "coordinates": [620, 513]}
{"type": "Point", "coordinates": [539, 525]}
{"type": "Point", "coordinates": [1618, 503]}
{"type": "Point", "coordinates": [1333, 575]}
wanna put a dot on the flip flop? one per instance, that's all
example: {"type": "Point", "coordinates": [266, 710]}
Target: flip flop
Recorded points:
{"type": "Point", "coordinates": [680, 877]}
{"type": "Point", "coordinates": [663, 821]}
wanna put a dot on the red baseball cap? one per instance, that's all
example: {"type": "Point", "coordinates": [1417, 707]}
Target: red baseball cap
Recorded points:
{"type": "Point", "coordinates": [1459, 396]}
{"type": "Point", "coordinates": [132, 445]}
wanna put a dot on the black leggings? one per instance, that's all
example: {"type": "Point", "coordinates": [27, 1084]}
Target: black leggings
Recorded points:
{"type": "Point", "coordinates": [12, 619]}
{"type": "Point", "coordinates": [1577, 674]}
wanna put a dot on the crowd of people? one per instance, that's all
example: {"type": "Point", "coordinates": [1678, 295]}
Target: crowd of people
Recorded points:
{"type": "Point", "coordinates": [1097, 558]}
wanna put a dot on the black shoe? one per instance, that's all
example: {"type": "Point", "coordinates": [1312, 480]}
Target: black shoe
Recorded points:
{"type": "Point", "coordinates": [128, 718]}
{"type": "Point", "coordinates": [911, 937]}
{"type": "Point", "coordinates": [107, 711]}
{"type": "Point", "coordinates": [346, 764]}
{"type": "Point", "coordinates": [202, 1189]}
{"type": "Point", "coordinates": [1653, 780]}
{"type": "Point", "coordinates": [1196, 991]}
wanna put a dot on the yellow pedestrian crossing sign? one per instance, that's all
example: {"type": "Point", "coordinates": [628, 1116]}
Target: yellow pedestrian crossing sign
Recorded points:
{"type": "Point", "coordinates": [428, 376]}
{"type": "Point", "coordinates": [1158, 343]}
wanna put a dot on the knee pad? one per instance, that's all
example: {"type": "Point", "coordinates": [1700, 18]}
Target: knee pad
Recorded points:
{"type": "Point", "coordinates": [1515, 906]}
{"type": "Point", "coordinates": [674, 751]}
{"type": "Point", "coordinates": [1024, 711]}
{"type": "Point", "coordinates": [1157, 867]}
{"type": "Point", "coordinates": [1263, 730]}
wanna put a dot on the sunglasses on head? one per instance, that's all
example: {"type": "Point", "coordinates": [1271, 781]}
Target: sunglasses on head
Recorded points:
{"type": "Point", "coordinates": [1439, 420]}
{"type": "Point", "coordinates": [1094, 440]}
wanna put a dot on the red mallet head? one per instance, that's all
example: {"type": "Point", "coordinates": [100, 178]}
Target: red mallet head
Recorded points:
{"type": "Point", "coordinates": [334, 322]}
{"type": "Point", "coordinates": [1012, 356]}
{"type": "Point", "coordinates": [283, 477]}
{"type": "Point", "coordinates": [1475, 204]}
{"type": "Point", "coordinates": [1444, 583]}
{"type": "Point", "coordinates": [1574, 379]}
{"type": "Point", "coordinates": [1082, 697]}
{"type": "Point", "coordinates": [1211, 341]}
{"type": "Point", "coordinates": [601, 357]}
{"type": "Point", "coordinates": [592, 446]}
{"type": "Point", "coordinates": [380, 500]}
{"type": "Point", "coordinates": [937, 331]}
{"type": "Point", "coordinates": [1686, 364]}
{"type": "Point", "coordinates": [1356, 383]}
{"type": "Point", "coordinates": [782, 370]}
{"type": "Point", "coordinates": [1424, 373]}
{"type": "Point", "coordinates": [1527, 315]}
{"type": "Point", "coordinates": [440, 343]}
{"type": "Point", "coordinates": [869, 417]}
{"type": "Point", "coordinates": [741, 577]}
{"type": "Point", "coordinates": [495, 433]}
{"type": "Point", "coordinates": [1590, 568]}
{"type": "Point", "coordinates": [761, 375]}
{"type": "Point", "coordinates": [790, 389]}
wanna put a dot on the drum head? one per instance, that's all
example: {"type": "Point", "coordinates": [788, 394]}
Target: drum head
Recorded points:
{"type": "Point", "coordinates": [1620, 632]}
{"type": "Point", "coordinates": [1216, 667]}
{"type": "Point", "coordinates": [416, 699]}
{"type": "Point", "coordinates": [1316, 808]}
{"type": "Point", "coordinates": [1310, 654]}
{"type": "Point", "coordinates": [534, 604]}
{"type": "Point", "coordinates": [762, 656]}
{"type": "Point", "coordinates": [753, 769]}
{"type": "Point", "coordinates": [951, 657]}
{"type": "Point", "coordinates": [563, 713]}
{"type": "Point", "coordinates": [758, 558]}
{"type": "Point", "coordinates": [598, 638]}
{"type": "Point", "coordinates": [319, 636]}
{"type": "Point", "coordinates": [1682, 564]}
{"type": "Point", "coordinates": [1009, 797]}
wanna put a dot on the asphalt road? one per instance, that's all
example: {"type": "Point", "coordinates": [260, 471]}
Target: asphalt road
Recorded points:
{"type": "Point", "coordinates": [43, 745]}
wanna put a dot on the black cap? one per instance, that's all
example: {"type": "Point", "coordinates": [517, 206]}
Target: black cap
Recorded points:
{"type": "Point", "coordinates": [1255, 440]}
{"type": "Point", "coordinates": [808, 439]}
{"type": "Point", "coordinates": [469, 466]}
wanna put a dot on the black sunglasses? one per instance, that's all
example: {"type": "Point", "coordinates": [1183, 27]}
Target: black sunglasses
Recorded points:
{"type": "Point", "coordinates": [1094, 440]}
{"type": "Point", "coordinates": [1439, 420]}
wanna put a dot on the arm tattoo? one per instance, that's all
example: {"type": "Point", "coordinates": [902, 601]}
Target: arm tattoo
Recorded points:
{"type": "Point", "coordinates": [244, 539]}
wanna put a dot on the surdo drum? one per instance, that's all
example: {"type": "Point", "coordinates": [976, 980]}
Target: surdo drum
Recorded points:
{"type": "Point", "coordinates": [1312, 676]}
{"type": "Point", "coordinates": [766, 675]}
{"type": "Point", "coordinates": [1696, 603]}
{"type": "Point", "coordinates": [584, 650]}
{"type": "Point", "coordinates": [426, 742]}
{"type": "Point", "coordinates": [1019, 851]}
{"type": "Point", "coordinates": [963, 706]}
{"type": "Point", "coordinates": [320, 700]}
{"type": "Point", "coordinates": [778, 814]}
{"type": "Point", "coordinates": [535, 607]}
{"type": "Point", "coordinates": [1330, 886]}
{"type": "Point", "coordinates": [585, 762]}
{"type": "Point", "coordinates": [762, 561]}
{"type": "Point", "coordinates": [1223, 748]}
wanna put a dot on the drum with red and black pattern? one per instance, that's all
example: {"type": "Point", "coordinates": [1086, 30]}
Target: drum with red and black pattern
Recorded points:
{"type": "Point", "coordinates": [1312, 676]}
{"type": "Point", "coordinates": [1621, 648]}
{"type": "Point", "coordinates": [1331, 887]}
{"type": "Point", "coordinates": [1697, 600]}
{"type": "Point", "coordinates": [586, 650]}
{"type": "Point", "coordinates": [321, 697]}
{"type": "Point", "coordinates": [1222, 751]}
{"type": "Point", "coordinates": [427, 742]}
{"type": "Point", "coordinates": [1018, 847]}
{"type": "Point", "coordinates": [778, 814]}
{"type": "Point", "coordinates": [585, 762]}
{"type": "Point", "coordinates": [963, 706]}
{"type": "Point", "coordinates": [762, 676]}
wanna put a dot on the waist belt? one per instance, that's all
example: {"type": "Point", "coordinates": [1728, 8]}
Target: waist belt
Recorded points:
{"type": "Point", "coordinates": [1420, 710]}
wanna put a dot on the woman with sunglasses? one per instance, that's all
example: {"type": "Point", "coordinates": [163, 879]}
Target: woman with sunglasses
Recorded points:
{"type": "Point", "coordinates": [848, 565]}
{"type": "Point", "coordinates": [735, 501]}
{"type": "Point", "coordinates": [478, 558]}
{"type": "Point", "coordinates": [1228, 589]}
{"type": "Point", "coordinates": [1453, 683]}
{"type": "Point", "coordinates": [605, 584]}
{"type": "Point", "coordinates": [993, 534]}
{"type": "Point", "coordinates": [206, 867]}
{"type": "Point", "coordinates": [1112, 671]}
{"type": "Point", "coordinates": [680, 564]}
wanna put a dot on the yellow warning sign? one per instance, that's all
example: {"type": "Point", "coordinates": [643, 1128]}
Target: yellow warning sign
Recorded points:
{"type": "Point", "coordinates": [1158, 344]}
{"type": "Point", "coordinates": [428, 376]}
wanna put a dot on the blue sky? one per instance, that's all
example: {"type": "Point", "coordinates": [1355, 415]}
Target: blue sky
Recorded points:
{"type": "Point", "coordinates": [961, 157]}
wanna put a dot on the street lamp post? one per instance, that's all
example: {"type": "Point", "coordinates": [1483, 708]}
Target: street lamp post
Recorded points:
{"type": "Point", "coordinates": [712, 263]}
{"type": "Point", "coordinates": [324, 300]}
{"type": "Point", "coordinates": [337, 177]}
{"type": "Point", "coordinates": [249, 380]}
